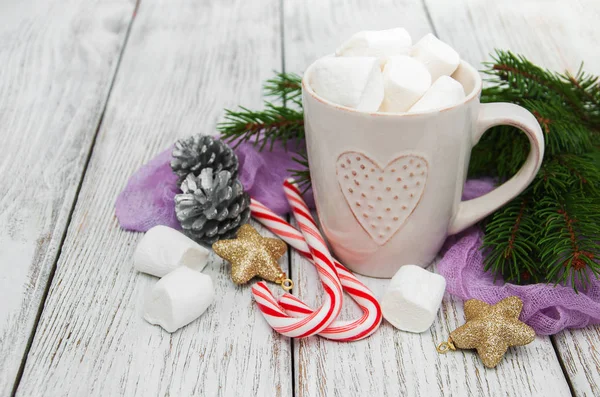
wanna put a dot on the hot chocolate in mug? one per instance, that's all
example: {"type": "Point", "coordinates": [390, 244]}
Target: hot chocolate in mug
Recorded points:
{"type": "Point", "coordinates": [388, 186]}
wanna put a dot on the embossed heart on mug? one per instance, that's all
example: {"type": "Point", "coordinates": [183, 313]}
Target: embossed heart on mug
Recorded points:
{"type": "Point", "coordinates": [382, 198]}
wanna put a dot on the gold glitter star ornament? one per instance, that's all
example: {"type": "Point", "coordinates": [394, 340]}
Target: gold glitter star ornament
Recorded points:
{"type": "Point", "coordinates": [491, 329]}
{"type": "Point", "coordinates": [253, 255]}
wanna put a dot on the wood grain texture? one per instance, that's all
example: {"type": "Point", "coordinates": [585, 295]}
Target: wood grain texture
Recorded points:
{"type": "Point", "coordinates": [395, 363]}
{"type": "Point", "coordinates": [553, 33]}
{"type": "Point", "coordinates": [58, 59]}
{"type": "Point", "coordinates": [559, 36]}
{"type": "Point", "coordinates": [391, 362]}
{"type": "Point", "coordinates": [316, 28]}
{"type": "Point", "coordinates": [579, 350]}
{"type": "Point", "coordinates": [185, 61]}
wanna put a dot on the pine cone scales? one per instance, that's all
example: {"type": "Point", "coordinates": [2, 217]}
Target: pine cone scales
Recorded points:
{"type": "Point", "coordinates": [192, 154]}
{"type": "Point", "coordinates": [212, 206]}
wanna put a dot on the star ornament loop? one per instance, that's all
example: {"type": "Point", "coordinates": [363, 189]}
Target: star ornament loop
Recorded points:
{"type": "Point", "coordinates": [251, 255]}
{"type": "Point", "coordinates": [491, 329]}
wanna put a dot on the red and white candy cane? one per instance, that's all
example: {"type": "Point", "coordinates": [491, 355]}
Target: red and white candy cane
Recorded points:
{"type": "Point", "coordinates": [338, 330]}
{"type": "Point", "coordinates": [321, 318]}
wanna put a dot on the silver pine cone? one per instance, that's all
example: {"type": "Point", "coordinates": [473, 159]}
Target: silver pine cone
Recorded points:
{"type": "Point", "coordinates": [192, 154]}
{"type": "Point", "coordinates": [212, 206]}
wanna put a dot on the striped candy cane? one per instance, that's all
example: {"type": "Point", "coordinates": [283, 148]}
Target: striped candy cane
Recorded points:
{"type": "Point", "coordinates": [321, 318]}
{"type": "Point", "coordinates": [338, 330]}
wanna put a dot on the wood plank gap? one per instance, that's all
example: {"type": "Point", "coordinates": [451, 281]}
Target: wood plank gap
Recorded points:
{"type": "Point", "coordinates": [71, 211]}
{"type": "Point", "coordinates": [562, 365]}
{"type": "Point", "coordinates": [291, 277]}
{"type": "Point", "coordinates": [91, 338]}
{"type": "Point", "coordinates": [282, 32]}
{"type": "Point", "coordinates": [288, 216]}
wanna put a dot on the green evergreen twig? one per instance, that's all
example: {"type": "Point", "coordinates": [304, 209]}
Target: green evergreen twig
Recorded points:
{"type": "Point", "coordinates": [263, 127]}
{"type": "Point", "coordinates": [284, 86]}
{"type": "Point", "coordinates": [302, 174]}
{"type": "Point", "coordinates": [553, 236]}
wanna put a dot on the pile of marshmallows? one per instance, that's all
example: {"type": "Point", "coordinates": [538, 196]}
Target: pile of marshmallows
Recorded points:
{"type": "Point", "coordinates": [183, 293]}
{"type": "Point", "coordinates": [381, 71]}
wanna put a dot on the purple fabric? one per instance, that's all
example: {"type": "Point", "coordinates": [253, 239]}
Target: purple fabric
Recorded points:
{"type": "Point", "coordinates": [548, 309]}
{"type": "Point", "coordinates": [148, 201]}
{"type": "Point", "coordinates": [262, 174]}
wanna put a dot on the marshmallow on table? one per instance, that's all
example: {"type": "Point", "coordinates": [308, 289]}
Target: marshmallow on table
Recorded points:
{"type": "Point", "coordinates": [405, 81]}
{"type": "Point", "coordinates": [439, 58]}
{"type": "Point", "coordinates": [352, 82]}
{"type": "Point", "coordinates": [163, 249]}
{"type": "Point", "coordinates": [381, 43]}
{"type": "Point", "coordinates": [178, 298]}
{"type": "Point", "coordinates": [413, 298]}
{"type": "Point", "coordinates": [443, 93]}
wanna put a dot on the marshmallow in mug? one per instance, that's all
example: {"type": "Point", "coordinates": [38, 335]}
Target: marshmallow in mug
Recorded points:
{"type": "Point", "coordinates": [444, 93]}
{"type": "Point", "coordinates": [178, 298]}
{"type": "Point", "coordinates": [353, 82]}
{"type": "Point", "coordinates": [413, 298]}
{"type": "Point", "coordinates": [163, 249]}
{"type": "Point", "coordinates": [380, 43]}
{"type": "Point", "coordinates": [405, 81]}
{"type": "Point", "coordinates": [438, 57]}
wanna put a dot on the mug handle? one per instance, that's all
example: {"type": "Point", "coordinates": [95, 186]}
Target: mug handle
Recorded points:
{"type": "Point", "coordinates": [490, 115]}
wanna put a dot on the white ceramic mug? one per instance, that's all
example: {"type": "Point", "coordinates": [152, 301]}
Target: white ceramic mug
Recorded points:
{"type": "Point", "coordinates": [388, 186]}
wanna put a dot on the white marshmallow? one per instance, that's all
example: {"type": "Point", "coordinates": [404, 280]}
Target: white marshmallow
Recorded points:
{"type": "Point", "coordinates": [413, 298]}
{"type": "Point", "coordinates": [178, 298]}
{"type": "Point", "coordinates": [443, 93]}
{"type": "Point", "coordinates": [439, 58]}
{"type": "Point", "coordinates": [405, 81]}
{"type": "Point", "coordinates": [352, 82]}
{"type": "Point", "coordinates": [163, 249]}
{"type": "Point", "coordinates": [380, 43]}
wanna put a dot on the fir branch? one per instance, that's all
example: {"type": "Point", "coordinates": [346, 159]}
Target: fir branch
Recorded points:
{"type": "Point", "coordinates": [274, 123]}
{"type": "Point", "coordinates": [552, 235]}
{"type": "Point", "coordinates": [563, 131]}
{"type": "Point", "coordinates": [553, 179]}
{"type": "Point", "coordinates": [302, 174]}
{"type": "Point", "coordinates": [501, 152]}
{"type": "Point", "coordinates": [284, 86]}
{"type": "Point", "coordinates": [565, 174]}
{"type": "Point", "coordinates": [515, 79]}
{"type": "Point", "coordinates": [570, 240]}
{"type": "Point", "coordinates": [287, 87]}
{"type": "Point", "coordinates": [511, 245]}
{"type": "Point", "coordinates": [587, 84]}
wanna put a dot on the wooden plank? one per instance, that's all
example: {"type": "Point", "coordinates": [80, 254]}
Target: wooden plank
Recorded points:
{"type": "Point", "coordinates": [58, 60]}
{"type": "Point", "coordinates": [316, 28]}
{"type": "Point", "coordinates": [557, 35]}
{"type": "Point", "coordinates": [185, 61]}
{"type": "Point", "coordinates": [552, 33]}
{"type": "Point", "coordinates": [392, 362]}
{"type": "Point", "coordinates": [578, 350]}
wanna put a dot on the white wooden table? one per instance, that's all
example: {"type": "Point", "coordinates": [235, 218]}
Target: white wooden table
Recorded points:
{"type": "Point", "coordinates": [92, 89]}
